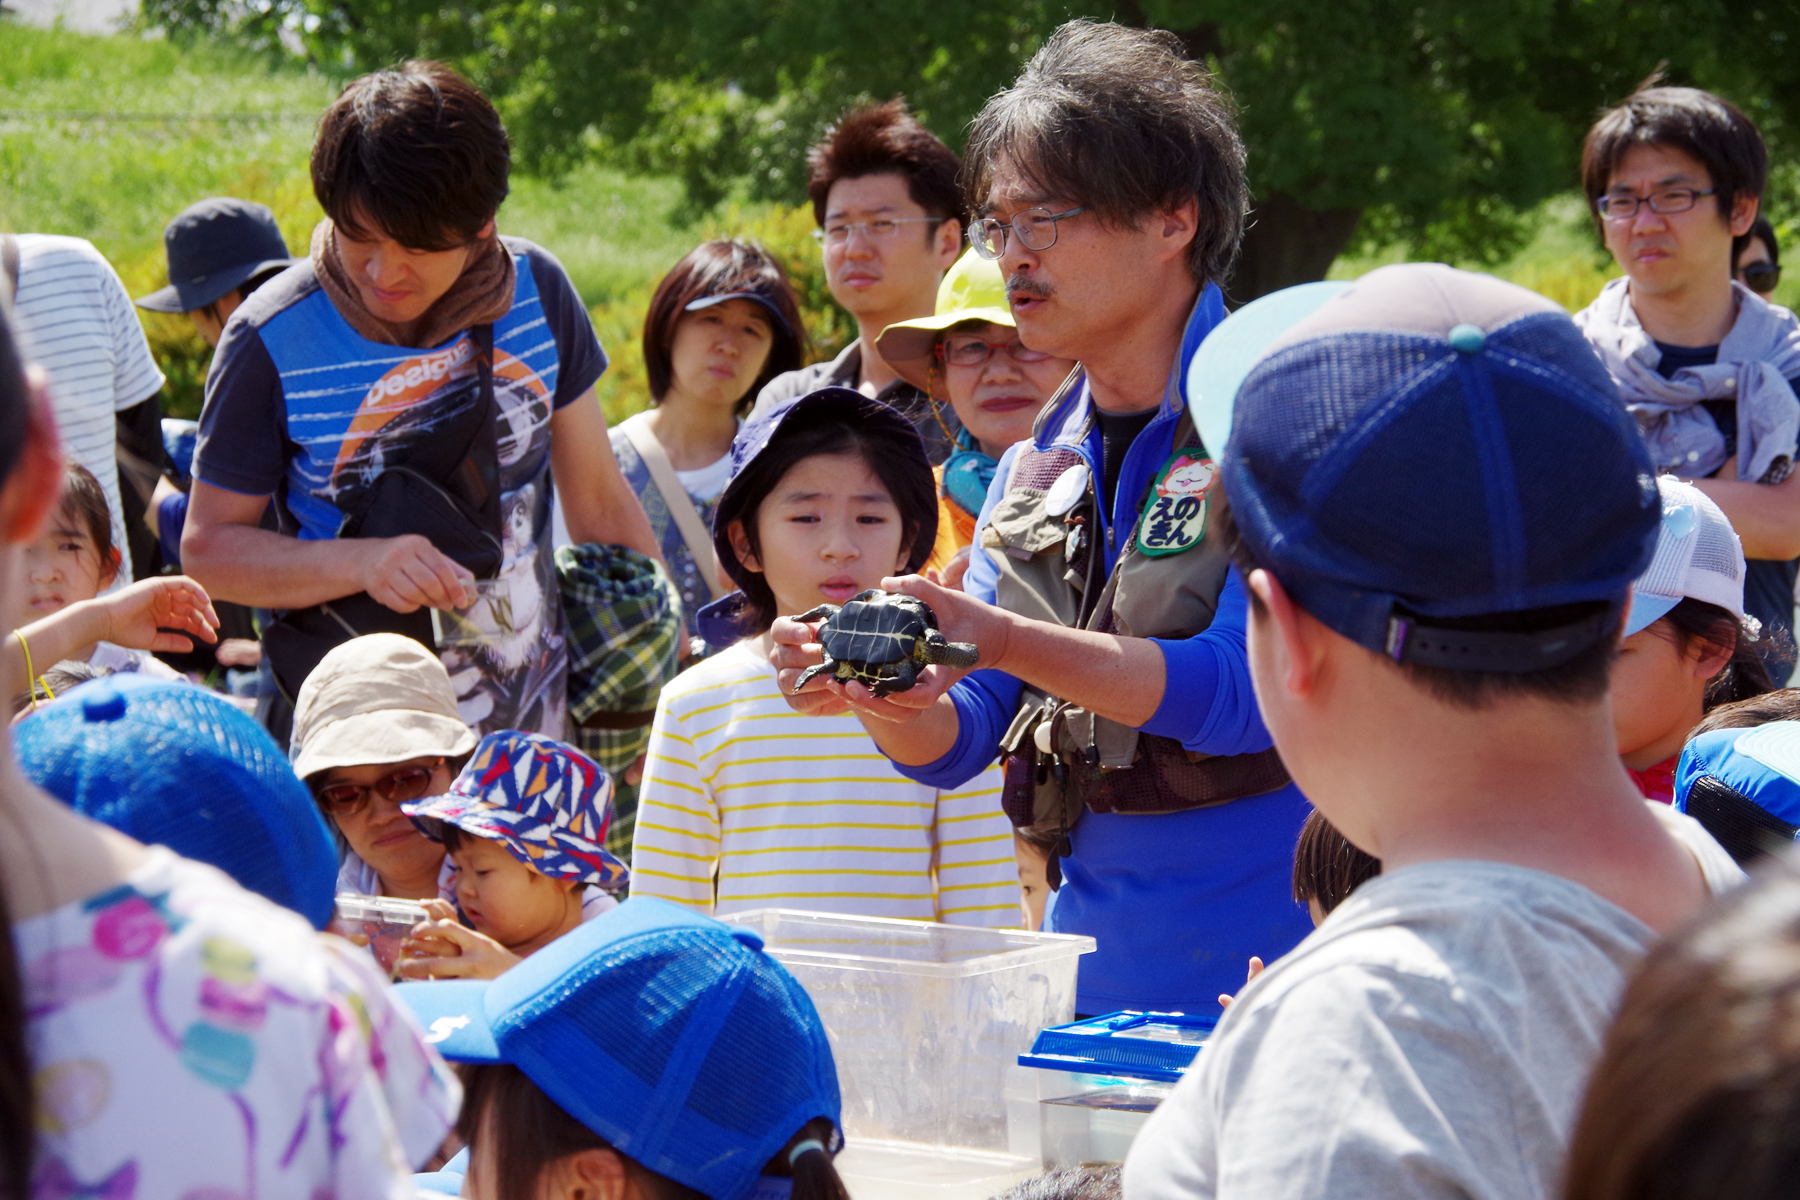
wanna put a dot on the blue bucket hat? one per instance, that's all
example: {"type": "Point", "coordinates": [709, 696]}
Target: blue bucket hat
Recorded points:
{"type": "Point", "coordinates": [1428, 443]}
{"type": "Point", "coordinates": [724, 620]}
{"type": "Point", "coordinates": [546, 802]}
{"type": "Point", "coordinates": [1743, 785]}
{"type": "Point", "coordinates": [214, 246]}
{"type": "Point", "coordinates": [172, 764]}
{"type": "Point", "coordinates": [669, 1034]}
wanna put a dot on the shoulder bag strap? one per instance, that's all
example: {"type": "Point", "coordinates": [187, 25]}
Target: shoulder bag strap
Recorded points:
{"type": "Point", "coordinates": [679, 503]}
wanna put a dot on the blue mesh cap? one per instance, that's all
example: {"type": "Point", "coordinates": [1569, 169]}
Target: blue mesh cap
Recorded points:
{"type": "Point", "coordinates": [669, 1034]}
{"type": "Point", "coordinates": [172, 764]}
{"type": "Point", "coordinates": [1433, 443]}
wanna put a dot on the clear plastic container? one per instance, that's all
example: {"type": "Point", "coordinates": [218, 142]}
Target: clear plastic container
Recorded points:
{"type": "Point", "coordinates": [926, 1021]}
{"type": "Point", "coordinates": [379, 922]}
{"type": "Point", "coordinates": [1096, 1082]}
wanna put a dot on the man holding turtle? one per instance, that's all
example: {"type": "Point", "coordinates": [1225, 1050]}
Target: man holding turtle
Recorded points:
{"type": "Point", "coordinates": [1109, 624]}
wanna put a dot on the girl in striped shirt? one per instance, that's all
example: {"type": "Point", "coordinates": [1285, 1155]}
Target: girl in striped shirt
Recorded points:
{"type": "Point", "coordinates": [748, 804]}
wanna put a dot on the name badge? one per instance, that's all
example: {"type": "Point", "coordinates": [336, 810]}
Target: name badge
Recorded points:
{"type": "Point", "coordinates": [1174, 518]}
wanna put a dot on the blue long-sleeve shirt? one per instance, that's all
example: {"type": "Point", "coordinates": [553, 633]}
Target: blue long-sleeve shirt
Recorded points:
{"type": "Point", "coordinates": [1180, 901]}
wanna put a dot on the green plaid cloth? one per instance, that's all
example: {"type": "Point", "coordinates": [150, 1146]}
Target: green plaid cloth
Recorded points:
{"type": "Point", "coordinates": [624, 624]}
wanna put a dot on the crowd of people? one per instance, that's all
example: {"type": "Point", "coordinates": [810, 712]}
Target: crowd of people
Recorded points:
{"type": "Point", "coordinates": [1407, 636]}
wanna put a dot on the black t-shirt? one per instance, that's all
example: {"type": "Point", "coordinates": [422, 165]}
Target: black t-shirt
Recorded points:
{"type": "Point", "coordinates": [1768, 583]}
{"type": "Point", "coordinates": [1117, 432]}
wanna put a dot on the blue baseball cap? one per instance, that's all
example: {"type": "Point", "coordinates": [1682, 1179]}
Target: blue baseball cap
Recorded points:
{"type": "Point", "coordinates": [669, 1034]}
{"type": "Point", "coordinates": [1743, 785]}
{"type": "Point", "coordinates": [725, 620]}
{"type": "Point", "coordinates": [173, 764]}
{"type": "Point", "coordinates": [1427, 444]}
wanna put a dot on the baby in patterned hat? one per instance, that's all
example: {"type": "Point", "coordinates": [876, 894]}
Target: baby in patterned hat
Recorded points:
{"type": "Point", "coordinates": [525, 823]}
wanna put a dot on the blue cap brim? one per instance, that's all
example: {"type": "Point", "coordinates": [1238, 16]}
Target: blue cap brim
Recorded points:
{"type": "Point", "coordinates": [1226, 356]}
{"type": "Point", "coordinates": [755, 297]}
{"type": "Point", "coordinates": [1647, 611]}
{"type": "Point", "coordinates": [454, 1014]}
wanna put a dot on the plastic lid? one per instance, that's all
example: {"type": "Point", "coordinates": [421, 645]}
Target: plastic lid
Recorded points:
{"type": "Point", "coordinates": [1157, 1046]}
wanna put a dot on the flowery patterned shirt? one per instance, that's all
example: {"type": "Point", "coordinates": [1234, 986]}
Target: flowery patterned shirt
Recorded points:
{"type": "Point", "coordinates": [193, 1041]}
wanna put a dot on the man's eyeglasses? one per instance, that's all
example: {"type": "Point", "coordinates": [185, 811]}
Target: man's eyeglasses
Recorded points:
{"type": "Point", "coordinates": [1760, 277]}
{"type": "Point", "coordinates": [837, 233]}
{"type": "Point", "coordinates": [975, 352]}
{"type": "Point", "coordinates": [1674, 200]}
{"type": "Point", "coordinates": [1035, 228]}
{"type": "Point", "coordinates": [349, 799]}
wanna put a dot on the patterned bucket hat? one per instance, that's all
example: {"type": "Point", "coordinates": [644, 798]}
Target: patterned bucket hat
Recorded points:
{"type": "Point", "coordinates": [546, 802]}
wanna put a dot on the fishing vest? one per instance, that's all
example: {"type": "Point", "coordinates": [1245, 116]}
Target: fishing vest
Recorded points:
{"type": "Point", "coordinates": [1060, 759]}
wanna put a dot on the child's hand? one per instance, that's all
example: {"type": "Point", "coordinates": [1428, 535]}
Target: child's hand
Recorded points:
{"type": "Point", "coordinates": [1256, 968]}
{"type": "Point", "coordinates": [441, 947]}
{"type": "Point", "coordinates": [793, 647]}
{"type": "Point", "coordinates": [137, 617]}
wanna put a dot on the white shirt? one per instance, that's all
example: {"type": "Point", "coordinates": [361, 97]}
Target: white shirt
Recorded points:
{"type": "Point", "coordinates": [1431, 1039]}
{"type": "Point", "coordinates": [74, 318]}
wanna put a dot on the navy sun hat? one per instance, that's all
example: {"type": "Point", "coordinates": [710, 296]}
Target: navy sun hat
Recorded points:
{"type": "Point", "coordinates": [669, 1034]}
{"type": "Point", "coordinates": [1743, 785]}
{"type": "Point", "coordinates": [767, 302]}
{"type": "Point", "coordinates": [214, 246]}
{"type": "Point", "coordinates": [722, 622]}
{"type": "Point", "coordinates": [1429, 443]}
{"type": "Point", "coordinates": [173, 764]}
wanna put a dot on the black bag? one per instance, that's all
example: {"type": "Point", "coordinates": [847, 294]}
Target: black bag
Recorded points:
{"type": "Point", "coordinates": [447, 492]}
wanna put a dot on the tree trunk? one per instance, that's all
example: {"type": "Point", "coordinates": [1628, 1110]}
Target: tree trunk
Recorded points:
{"type": "Point", "coordinates": [1286, 244]}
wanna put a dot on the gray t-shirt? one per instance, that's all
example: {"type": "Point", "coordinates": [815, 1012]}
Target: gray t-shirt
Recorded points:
{"type": "Point", "coordinates": [1430, 1039]}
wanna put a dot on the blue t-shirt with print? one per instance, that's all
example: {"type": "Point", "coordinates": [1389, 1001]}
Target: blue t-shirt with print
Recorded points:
{"type": "Point", "coordinates": [302, 407]}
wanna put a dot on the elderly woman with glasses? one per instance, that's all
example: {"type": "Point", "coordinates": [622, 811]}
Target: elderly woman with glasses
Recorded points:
{"type": "Point", "coordinates": [375, 726]}
{"type": "Point", "coordinates": [968, 355]}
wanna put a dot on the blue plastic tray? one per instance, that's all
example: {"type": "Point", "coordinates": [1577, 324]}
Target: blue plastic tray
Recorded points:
{"type": "Point", "coordinates": [1157, 1046]}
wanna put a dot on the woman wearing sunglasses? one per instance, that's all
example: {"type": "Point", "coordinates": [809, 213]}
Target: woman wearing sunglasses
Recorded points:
{"type": "Point", "coordinates": [968, 355]}
{"type": "Point", "coordinates": [375, 726]}
{"type": "Point", "coordinates": [1756, 259]}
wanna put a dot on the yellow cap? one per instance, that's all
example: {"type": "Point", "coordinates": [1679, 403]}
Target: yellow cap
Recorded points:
{"type": "Point", "coordinates": [972, 291]}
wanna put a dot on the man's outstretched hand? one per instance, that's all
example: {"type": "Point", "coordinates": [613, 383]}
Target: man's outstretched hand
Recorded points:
{"type": "Point", "coordinates": [962, 618]}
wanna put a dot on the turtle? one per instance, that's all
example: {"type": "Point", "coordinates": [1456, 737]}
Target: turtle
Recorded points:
{"type": "Point", "coordinates": [881, 639]}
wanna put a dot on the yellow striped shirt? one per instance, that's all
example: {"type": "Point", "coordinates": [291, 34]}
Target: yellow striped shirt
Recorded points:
{"type": "Point", "coordinates": [792, 811]}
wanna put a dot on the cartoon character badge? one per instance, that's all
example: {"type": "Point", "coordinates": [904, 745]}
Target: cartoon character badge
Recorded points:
{"type": "Point", "coordinates": [1174, 519]}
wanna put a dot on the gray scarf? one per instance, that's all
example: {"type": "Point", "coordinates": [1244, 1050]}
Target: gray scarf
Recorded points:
{"type": "Point", "coordinates": [1755, 361]}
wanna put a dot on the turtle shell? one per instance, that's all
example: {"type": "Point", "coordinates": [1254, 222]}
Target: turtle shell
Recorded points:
{"type": "Point", "coordinates": [876, 628]}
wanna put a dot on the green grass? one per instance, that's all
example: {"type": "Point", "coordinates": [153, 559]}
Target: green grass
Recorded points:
{"type": "Point", "coordinates": [233, 125]}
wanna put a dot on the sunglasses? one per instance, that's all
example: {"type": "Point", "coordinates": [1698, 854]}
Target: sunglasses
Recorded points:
{"type": "Point", "coordinates": [349, 799]}
{"type": "Point", "coordinates": [1760, 277]}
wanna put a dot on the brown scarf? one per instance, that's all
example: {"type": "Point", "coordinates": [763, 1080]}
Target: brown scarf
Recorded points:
{"type": "Point", "coordinates": [481, 295]}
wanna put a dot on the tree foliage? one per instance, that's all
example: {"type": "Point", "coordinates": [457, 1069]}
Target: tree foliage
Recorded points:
{"type": "Point", "coordinates": [1434, 121]}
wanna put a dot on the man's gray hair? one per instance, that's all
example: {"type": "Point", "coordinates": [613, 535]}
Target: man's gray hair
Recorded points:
{"type": "Point", "coordinates": [1119, 120]}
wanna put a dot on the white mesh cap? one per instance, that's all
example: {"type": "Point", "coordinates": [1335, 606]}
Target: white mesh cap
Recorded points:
{"type": "Point", "coordinates": [1698, 555]}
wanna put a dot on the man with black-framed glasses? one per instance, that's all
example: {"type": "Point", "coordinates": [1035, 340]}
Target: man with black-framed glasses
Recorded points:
{"type": "Point", "coordinates": [1108, 184]}
{"type": "Point", "coordinates": [1705, 364]}
{"type": "Point", "coordinates": [883, 189]}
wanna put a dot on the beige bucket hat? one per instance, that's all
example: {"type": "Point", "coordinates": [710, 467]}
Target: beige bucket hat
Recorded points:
{"type": "Point", "coordinates": [380, 698]}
